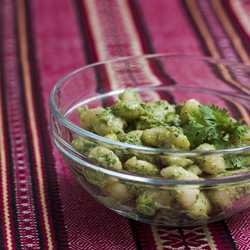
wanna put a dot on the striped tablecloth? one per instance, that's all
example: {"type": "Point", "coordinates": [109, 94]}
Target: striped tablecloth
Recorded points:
{"type": "Point", "coordinates": [42, 205]}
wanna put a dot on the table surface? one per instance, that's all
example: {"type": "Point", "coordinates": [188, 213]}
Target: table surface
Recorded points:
{"type": "Point", "coordinates": [42, 205]}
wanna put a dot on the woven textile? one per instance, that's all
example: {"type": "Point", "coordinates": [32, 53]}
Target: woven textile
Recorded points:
{"type": "Point", "coordinates": [42, 205]}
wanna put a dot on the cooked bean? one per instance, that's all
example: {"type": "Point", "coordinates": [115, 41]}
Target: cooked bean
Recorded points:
{"type": "Point", "coordinates": [166, 137]}
{"type": "Point", "coordinates": [151, 200]}
{"type": "Point", "coordinates": [141, 167]}
{"type": "Point", "coordinates": [107, 123]}
{"type": "Point", "coordinates": [88, 116]}
{"type": "Point", "coordinates": [194, 168]}
{"type": "Point", "coordinates": [105, 157]}
{"type": "Point", "coordinates": [177, 173]}
{"type": "Point", "coordinates": [175, 160]}
{"type": "Point", "coordinates": [119, 192]}
{"type": "Point", "coordinates": [129, 94]}
{"type": "Point", "coordinates": [201, 208]}
{"type": "Point", "coordinates": [189, 106]}
{"type": "Point", "coordinates": [212, 164]}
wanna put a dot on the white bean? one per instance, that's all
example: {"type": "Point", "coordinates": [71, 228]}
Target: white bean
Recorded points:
{"type": "Point", "coordinates": [164, 137]}
{"type": "Point", "coordinates": [112, 137]}
{"type": "Point", "coordinates": [226, 197]}
{"type": "Point", "coordinates": [159, 109]}
{"type": "Point", "coordinates": [189, 106]}
{"type": "Point", "coordinates": [119, 192]}
{"type": "Point", "coordinates": [98, 178]}
{"type": "Point", "coordinates": [107, 145]}
{"type": "Point", "coordinates": [128, 111]}
{"type": "Point", "coordinates": [200, 208]}
{"type": "Point", "coordinates": [88, 116]}
{"type": "Point", "coordinates": [175, 160]}
{"type": "Point", "coordinates": [211, 164]}
{"type": "Point", "coordinates": [140, 167]}
{"type": "Point", "coordinates": [177, 173]}
{"type": "Point", "coordinates": [194, 168]}
{"type": "Point", "coordinates": [129, 94]}
{"type": "Point", "coordinates": [186, 195]}
{"type": "Point", "coordinates": [221, 197]}
{"type": "Point", "coordinates": [105, 157]}
{"type": "Point", "coordinates": [246, 138]}
{"type": "Point", "coordinates": [107, 123]}
{"type": "Point", "coordinates": [136, 133]}
{"type": "Point", "coordinates": [151, 200]}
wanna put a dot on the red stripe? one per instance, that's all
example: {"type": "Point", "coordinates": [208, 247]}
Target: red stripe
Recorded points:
{"type": "Point", "coordinates": [220, 235]}
{"type": "Point", "coordinates": [22, 176]}
{"type": "Point", "coordinates": [138, 19]}
{"type": "Point", "coordinates": [78, 206]}
{"type": "Point", "coordinates": [223, 43]}
{"type": "Point", "coordinates": [229, 27]}
{"type": "Point", "coordinates": [6, 213]}
{"type": "Point", "coordinates": [32, 122]}
{"type": "Point", "coordinates": [84, 29]}
{"type": "Point", "coordinates": [238, 25]}
{"type": "Point", "coordinates": [54, 66]}
{"type": "Point", "coordinates": [166, 22]}
{"type": "Point", "coordinates": [7, 222]}
{"type": "Point", "coordinates": [5, 203]}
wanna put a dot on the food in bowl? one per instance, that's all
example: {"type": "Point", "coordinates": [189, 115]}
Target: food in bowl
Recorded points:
{"type": "Point", "coordinates": [192, 196]}
{"type": "Point", "coordinates": [189, 125]}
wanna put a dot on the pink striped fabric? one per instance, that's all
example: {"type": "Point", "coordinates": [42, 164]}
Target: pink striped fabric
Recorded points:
{"type": "Point", "coordinates": [42, 205]}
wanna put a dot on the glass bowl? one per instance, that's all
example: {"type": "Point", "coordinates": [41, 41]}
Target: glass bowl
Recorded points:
{"type": "Point", "coordinates": [175, 78]}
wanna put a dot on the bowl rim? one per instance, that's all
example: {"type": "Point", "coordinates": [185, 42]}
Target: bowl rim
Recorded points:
{"type": "Point", "coordinates": [78, 130]}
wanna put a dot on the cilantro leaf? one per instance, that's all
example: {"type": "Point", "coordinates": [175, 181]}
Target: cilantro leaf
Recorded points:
{"type": "Point", "coordinates": [236, 160]}
{"type": "Point", "coordinates": [214, 126]}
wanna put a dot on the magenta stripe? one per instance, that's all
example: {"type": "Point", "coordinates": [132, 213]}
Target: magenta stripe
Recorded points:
{"type": "Point", "coordinates": [24, 194]}
{"type": "Point", "coordinates": [78, 206]}
{"type": "Point", "coordinates": [237, 21]}
{"type": "Point", "coordinates": [245, 39]}
{"type": "Point", "coordinates": [85, 32]}
{"type": "Point", "coordinates": [51, 189]}
{"type": "Point", "coordinates": [221, 39]}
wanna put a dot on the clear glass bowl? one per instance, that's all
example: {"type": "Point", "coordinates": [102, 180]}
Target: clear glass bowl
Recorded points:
{"type": "Point", "coordinates": [154, 200]}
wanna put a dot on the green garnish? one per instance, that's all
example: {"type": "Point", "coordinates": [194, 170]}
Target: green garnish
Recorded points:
{"type": "Point", "coordinates": [236, 160]}
{"type": "Point", "coordinates": [214, 126]}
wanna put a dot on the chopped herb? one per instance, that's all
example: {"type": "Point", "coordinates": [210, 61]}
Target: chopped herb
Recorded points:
{"type": "Point", "coordinates": [214, 126]}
